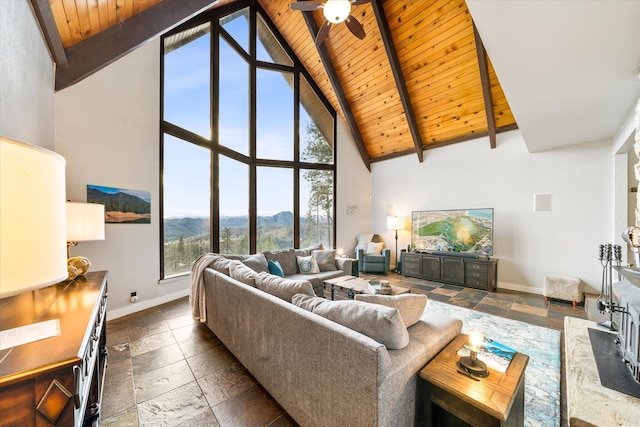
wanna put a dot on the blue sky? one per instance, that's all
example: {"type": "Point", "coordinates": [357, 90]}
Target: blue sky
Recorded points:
{"type": "Point", "coordinates": [187, 89]}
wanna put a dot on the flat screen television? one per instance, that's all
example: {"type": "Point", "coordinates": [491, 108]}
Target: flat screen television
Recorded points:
{"type": "Point", "coordinates": [468, 231]}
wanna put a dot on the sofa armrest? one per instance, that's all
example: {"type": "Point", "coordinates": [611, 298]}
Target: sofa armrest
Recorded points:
{"type": "Point", "coordinates": [344, 264]}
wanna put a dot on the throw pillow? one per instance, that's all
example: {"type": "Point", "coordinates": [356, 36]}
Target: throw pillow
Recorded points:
{"type": "Point", "coordinates": [286, 258]}
{"type": "Point", "coordinates": [410, 306]}
{"type": "Point", "coordinates": [308, 265]}
{"type": "Point", "coordinates": [362, 240]}
{"type": "Point", "coordinates": [257, 263]}
{"type": "Point", "coordinates": [374, 248]}
{"type": "Point", "coordinates": [275, 268]}
{"type": "Point", "coordinates": [283, 288]}
{"type": "Point", "coordinates": [242, 273]}
{"type": "Point", "coordinates": [326, 259]}
{"type": "Point", "coordinates": [382, 324]}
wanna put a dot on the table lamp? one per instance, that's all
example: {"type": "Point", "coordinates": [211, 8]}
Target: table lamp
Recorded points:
{"type": "Point", "coordinates": [32, 218]}
{"type": "Point", "coordinates": [85, 222]}
{"type": "Point", "coordinates": [471, 364]}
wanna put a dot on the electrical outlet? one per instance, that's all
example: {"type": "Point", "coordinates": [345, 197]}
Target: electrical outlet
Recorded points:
{"type": "Point", "coordinates": [134, 297]}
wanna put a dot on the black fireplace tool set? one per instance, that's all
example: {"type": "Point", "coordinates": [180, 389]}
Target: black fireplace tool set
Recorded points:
{"type": "Point", "coordinates": [610, 255]}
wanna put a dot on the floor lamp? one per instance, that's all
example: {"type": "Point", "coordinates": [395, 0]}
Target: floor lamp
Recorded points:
{"type": "Point", "coordinates": [395, 223]}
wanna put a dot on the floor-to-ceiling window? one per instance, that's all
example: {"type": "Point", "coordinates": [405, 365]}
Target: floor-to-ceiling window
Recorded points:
{"type": "Point", "coordinates": [248, 142]}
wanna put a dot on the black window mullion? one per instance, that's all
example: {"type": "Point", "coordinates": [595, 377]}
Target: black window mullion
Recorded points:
{"type": "Point", "coordinates": [214, 181]}
{"type": "Point", "coordinates": [253, 185]}
{"type": "Point", "coordinates": [296, 159]}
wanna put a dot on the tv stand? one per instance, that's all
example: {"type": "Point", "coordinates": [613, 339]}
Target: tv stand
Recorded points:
{"type": "Point", "coordinates": [472, 271]}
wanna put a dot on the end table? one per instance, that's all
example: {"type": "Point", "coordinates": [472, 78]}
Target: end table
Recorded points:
{"type": "Point", "coordinates": [451, 398]}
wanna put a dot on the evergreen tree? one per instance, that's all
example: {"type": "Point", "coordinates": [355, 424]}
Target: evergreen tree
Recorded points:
{"type": "Point", "coordinates": [225, 240]}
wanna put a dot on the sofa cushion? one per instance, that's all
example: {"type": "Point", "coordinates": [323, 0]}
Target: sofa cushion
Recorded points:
{"type": "Point", "coordinates": [242, 273]}
{"type": "Point", "coordinates": [374, 248]}
{"type": "Point", "coordinates": [326, 259]}
{"type": "Point", "coordinates": [410, 306]}
{"type": "Point", "coordinates": [221, 264]}
{"type": "Point", "coordinates": [286, 258]}
{"type": "Point", "coordinates": [307, 265]}
{"type": "Point", "coordinates": [382, 324]}
{"type": "Point", "coordinates": [257, 263]}
{"type": "Point", "coordinates": [275, 268]}
{"type": "Point", "coordinates": [283, 288]}
{"type": "Point", "coordinates": [307, 251]}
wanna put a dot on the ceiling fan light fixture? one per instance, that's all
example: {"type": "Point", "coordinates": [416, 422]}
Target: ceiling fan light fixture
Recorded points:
{"type": "Point", "coordinates": [336, 11]}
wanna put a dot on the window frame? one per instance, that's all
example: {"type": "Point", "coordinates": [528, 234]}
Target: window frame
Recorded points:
{"type": "Point", "coordinates": [251, 160]}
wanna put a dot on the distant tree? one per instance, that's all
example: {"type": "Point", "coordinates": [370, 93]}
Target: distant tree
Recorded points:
{"type": "Point", "coordinates": [321, 189]}
{"type": "Point", "coordinates": [226, 239]}
{"type": "Point", "coordinates": [243, 244]}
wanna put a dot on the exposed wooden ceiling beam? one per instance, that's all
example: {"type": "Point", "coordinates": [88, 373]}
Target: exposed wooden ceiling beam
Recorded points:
{"type": "Point", "coordinates": [95, 53]}
{"type": "Point", "coordinates": [392, 54]}
{"type": "Point", "coordinates": [50, 32]}
{"type": "Point", "coordinates": [486, 87]}
{"type": "Point", "coordinates": [337, 87]}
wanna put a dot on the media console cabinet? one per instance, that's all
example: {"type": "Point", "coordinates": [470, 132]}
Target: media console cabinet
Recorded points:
{"type": "Point", "coordinates": [479, 273]}
{"type": "Point", "coordinates": [56, 381]}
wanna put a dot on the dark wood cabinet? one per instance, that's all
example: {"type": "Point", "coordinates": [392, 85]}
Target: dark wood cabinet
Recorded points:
{"type": "Point", "coordinates": [56, 381]}
{"type": "Point", "coordinates": [480, 273]}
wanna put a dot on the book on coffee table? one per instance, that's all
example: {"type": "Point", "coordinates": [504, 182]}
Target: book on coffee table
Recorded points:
{"type": "Point", "coordinates": [496, 355]}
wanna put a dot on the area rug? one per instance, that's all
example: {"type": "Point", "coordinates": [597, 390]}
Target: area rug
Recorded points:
{"type": "Point", "coordinates": [542, 345]}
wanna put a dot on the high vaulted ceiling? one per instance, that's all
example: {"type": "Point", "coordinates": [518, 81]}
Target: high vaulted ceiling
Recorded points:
{"type": "Point", "coordinates": [420, 79]}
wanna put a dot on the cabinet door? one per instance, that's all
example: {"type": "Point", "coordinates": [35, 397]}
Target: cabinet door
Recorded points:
{"type": "Point", "coordinates": [453, 270]}
{"type": "Point", "coordinates": [430, 267]}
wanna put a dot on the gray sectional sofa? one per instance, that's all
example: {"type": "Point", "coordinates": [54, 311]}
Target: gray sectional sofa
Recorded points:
{"type": "Point", "coordinates": [321, 372]}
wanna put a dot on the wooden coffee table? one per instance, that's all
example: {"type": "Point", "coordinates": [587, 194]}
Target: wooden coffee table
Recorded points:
{"type": "Point", "coordinates": [452, 398]}
{"type": "Point", "coordinates": [346, 287]}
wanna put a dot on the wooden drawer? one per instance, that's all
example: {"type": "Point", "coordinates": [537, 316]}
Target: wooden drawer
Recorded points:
{"type": "Point", "coordinates": [471, 267]}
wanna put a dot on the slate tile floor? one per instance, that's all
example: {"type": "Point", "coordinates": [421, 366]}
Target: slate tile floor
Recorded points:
{"type": "Point", "coordinates": [164, 368]}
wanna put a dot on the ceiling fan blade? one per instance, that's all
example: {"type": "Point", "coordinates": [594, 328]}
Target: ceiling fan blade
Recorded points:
{"type": "Point", "coordinates": [323, 32]}
{"type": "Point", "coordinates": [357, 2]}
{"type": "Point", "coordinates": [306, 6]}
{"type": "Point", "coordinates": [355, 27]}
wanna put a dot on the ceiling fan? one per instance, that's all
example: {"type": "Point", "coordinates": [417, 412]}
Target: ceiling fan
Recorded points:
{"type": "Point", "coordinates": [335, 12]}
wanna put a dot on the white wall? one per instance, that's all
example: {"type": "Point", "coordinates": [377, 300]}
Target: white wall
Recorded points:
{"type": "Point", "coordinates": [353, 201]}
{"type": "Point", "coordinates": [26, 77]}
{"type": "Point", "coordinates": [563, 241]}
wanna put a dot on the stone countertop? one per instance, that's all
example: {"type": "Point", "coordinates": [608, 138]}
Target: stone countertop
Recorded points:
{"type": "Point", "coordinates": [587, 400]}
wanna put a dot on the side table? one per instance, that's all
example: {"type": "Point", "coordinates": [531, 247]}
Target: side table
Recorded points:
{"type": "Point", "coordinates": [451, 398]}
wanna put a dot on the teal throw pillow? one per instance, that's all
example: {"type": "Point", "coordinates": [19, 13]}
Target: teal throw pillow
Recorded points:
{"type": "Point", "coordinates": [275, 268]}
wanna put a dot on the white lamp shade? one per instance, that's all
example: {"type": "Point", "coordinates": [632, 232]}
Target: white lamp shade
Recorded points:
{"type": "Point", "coordinates": [32, 218]}
{"type": "Point", "coordinates": [336, 11]}
{"type": "Point", "coordinates": [395, 223]}
{"type": "Point", "coordinates": [85, 221]}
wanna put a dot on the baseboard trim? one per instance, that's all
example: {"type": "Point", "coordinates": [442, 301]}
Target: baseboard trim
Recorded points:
{"type": "Point", "coordinates": [135, 307]}
{"type": "Point", "coordinates": [519, 288]}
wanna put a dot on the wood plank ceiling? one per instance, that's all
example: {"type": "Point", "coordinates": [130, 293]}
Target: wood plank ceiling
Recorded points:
{"type": "Point", "coordinates": [420, 79]}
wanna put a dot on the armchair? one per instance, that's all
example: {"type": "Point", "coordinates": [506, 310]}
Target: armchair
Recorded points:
{"type": "Point", "coordinates": [369, 262]}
